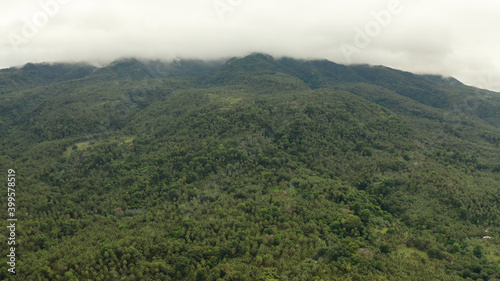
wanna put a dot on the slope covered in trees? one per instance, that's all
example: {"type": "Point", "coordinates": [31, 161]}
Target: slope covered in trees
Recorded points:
{"type": "Point", "coordinates": [253, 169]}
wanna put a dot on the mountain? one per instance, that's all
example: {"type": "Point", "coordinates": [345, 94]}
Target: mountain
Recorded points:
{"type": "Point", "coordinates": [34, 75]}
{"type": "Point", "coordinates": [254, 168]}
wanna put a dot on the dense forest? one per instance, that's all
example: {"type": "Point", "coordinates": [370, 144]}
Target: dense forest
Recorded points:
{"type": "Point", "coordinates": [254, 168]}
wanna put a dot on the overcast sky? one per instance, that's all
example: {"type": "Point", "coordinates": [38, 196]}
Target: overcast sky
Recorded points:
{"type": "Point", "coordinates": [451, 38]}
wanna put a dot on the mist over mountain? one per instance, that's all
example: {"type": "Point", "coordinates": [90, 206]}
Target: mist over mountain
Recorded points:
{"type": "Point", "coordinates": [250, 168]}
{"type": "Point", "coordinates": [439, 37]}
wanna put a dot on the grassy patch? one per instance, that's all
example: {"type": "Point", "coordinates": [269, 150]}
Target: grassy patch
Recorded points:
{"type": "Point", "coordinates": [78, 146]}
{"type": "Point", "coordinates": [127, 140]}
{"type": "Point", "coordinates": [226, 102]}
{"type": "Point", "coordinates": [411, 252]}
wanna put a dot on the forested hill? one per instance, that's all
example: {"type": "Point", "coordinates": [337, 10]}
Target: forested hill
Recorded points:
{"type": "Point", "coordinates": [254, 168]}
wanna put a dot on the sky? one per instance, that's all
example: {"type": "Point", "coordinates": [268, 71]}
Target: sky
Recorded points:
{"type": "Point", "coordinates": [445, 37]}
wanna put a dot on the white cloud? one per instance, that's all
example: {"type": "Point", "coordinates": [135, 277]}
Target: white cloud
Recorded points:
{"type": "Point", "coordinates": [457, 38]}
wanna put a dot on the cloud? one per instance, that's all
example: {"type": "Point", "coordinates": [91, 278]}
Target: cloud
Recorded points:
{"type": "Point", "coordinates": [451, 38]}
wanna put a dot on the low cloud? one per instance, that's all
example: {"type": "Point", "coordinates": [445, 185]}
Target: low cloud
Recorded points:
{"type": "Point", "coordinates": [451, 38]}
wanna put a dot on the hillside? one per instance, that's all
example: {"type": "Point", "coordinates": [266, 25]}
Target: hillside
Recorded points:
{"type": "Point", "coordinates": [256, 168]}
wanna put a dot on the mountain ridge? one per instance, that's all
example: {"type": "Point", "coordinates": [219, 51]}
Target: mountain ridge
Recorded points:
{"type": "Point", "coordinates": [221, 62]}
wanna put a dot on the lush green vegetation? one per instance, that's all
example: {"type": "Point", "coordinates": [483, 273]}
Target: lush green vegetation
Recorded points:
{"type": "Point", "coordinates": [253, 169]}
